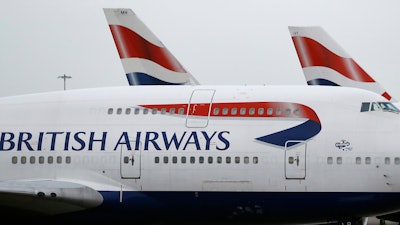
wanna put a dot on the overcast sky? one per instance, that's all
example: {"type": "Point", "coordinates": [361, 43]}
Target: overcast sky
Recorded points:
{"type": "Point", "coordinates": [220, 42]}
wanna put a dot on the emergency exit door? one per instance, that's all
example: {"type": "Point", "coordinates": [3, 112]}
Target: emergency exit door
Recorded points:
{"type": "Point", "coordinates": [295, 160]}
{"type": "Point", "coordinates": [130, 160]}
{"type": "Point", "coordinates": [199, 108]}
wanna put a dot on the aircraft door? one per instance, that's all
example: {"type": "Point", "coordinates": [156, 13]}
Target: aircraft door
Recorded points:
{"type": "Point", "coordinates": [295, 160]}
{"type": "Point", "coordinates": [130, 160]}
{"type": "Point", "coordinates": [199, 108]}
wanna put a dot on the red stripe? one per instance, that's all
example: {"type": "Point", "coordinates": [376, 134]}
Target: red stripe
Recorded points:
{"type": "Point", "coordinates": [387, 96]}
{"type": "Point", "coordinates": [316, 54]}
{"type": "Point", "coordinates": [287, 110]}
{"type": "Point", "coordinates": [131, 45]}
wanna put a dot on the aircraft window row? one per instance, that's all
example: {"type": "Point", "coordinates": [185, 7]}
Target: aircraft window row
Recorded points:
{"type": "Point", "coordinates": [40, 160]}
{"type": "Point", "coordinates": [379, 106]}
{"type": "Point", "coordinates": [216, 111]}
{"type": "Point", "coordinates": [202, 160]}
{"type": "Point", "coordinates": [255, 111]}
{"type": "Point", "coordinates": [144, 111]}
{"type": "Point", "coordinates": [365, 160]}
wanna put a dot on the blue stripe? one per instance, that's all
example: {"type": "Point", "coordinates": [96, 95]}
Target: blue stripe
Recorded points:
{"type": "Point", "coordinates": [322, 82]}
{"type": "Point", "coordinates": [145, 79]}
{"type": "Point", "coordinates": [301, 132]}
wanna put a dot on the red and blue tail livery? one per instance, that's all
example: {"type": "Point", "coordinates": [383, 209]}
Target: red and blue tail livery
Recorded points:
{"type": "Point", "coordinates": [325, 62]}
{"type": "Point", "coordinates": [145, 59]}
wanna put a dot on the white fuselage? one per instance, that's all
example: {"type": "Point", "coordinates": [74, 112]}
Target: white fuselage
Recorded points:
{"type": "Point", "coordinates": [127, 139]}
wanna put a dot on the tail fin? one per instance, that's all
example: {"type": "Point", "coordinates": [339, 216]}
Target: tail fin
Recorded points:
{"type": "Point", "coordinates": [325, 62]}
{"type": "Point", "coordinates": [145, 59]}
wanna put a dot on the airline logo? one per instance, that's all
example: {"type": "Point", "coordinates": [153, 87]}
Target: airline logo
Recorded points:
{"type": "Point", "coordinates": [145, 59]}
{"type": "Point", "coordinates": [318, 55]}
{"type": "Point", "coordinates": [270, 110]}
{"type": "Point", "coordinates": [324, 62]}
{"type": "Point", "coordinates": [343, 145]}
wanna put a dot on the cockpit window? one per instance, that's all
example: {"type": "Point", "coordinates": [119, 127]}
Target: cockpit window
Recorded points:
{"type": "Point", "coordinates": [379, 106]}
{"type": "Point", "coordinates": [375, 107]}
{"type": "Point", "coordinates": [365, 107]}
{"type": "Point", "coordinates": [388, 106]}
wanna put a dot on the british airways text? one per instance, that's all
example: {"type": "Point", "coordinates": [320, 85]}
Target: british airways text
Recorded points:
{"type": "Point", "coordinates": [147, 140]}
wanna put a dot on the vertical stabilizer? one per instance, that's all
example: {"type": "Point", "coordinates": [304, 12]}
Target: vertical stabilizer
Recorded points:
{"type": "Point", "coordinates": [146, 61]}
{"type": "Point", "coordinates": [325, 62]}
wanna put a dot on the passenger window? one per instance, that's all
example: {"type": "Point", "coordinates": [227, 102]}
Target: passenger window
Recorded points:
{"type": "Point", "coordinates": [180, 111]}
{"type": "Point", "coordinates": [216, 111]}
{"type": "Point", "coordinates": [59, 159]}
{"type": "Point", "coordinates": [225, 111]}
{"type": "Point", "coordinates": [228, 159]}
{"type": "Point", "coordinates": [330, 160]}
{"type": "Point", "coordinates": [165, 159]}
{"type": "Point", "coordinates": [252, 111]}
{"type": "Point", "coordinates": [163, 110]}
{"type": "Point", "coordinates": [210, 159]}
{"type": "Point", "coordinates": [296, 112]}
{"type": "Point", "coordinates": [219, 159]}
{"type": "Point", "coordinates": [260, 111]}
{"type": "Point", "coordinates": [23, 159]}
{"type": "Point", "coordinates": [255, 160]}
{"type": "Point", "coordinates": [32, 159]}
{"type": "Point", "coordinates": [201, 159]}
{"type": "Point", "coordinates": [358, 160]}
{"type": "Point", "coordinates": [242, 111]}
{"type": "Point", "coordinates": [110, 111]}
{"type": "Point", "coordinates": [192, 159]}
{"type": "Point", "coordinates": [183, 159]}
{"type": "Point", "coordinates": [237, 159]}
{"type": "Point", "coordinates": [128, 111]}
{"type": "Point", "coordinates": [367, 160]}
{"type": "Point", "coordinates": [270, 111]}
{"type": "Point", "coordinates": [145, 111]}
{"type": "Point", "coordinates": [14, 160]}
{"type": "Point", "coordinates": [387, 160]}
{"type": "Point", "coordinates": [157, 160]}
{"type": "Point", "coordinates": [246, 160]}
{"type": "Point", "coordinates": [126, 159]}
{"type": "Point", "coordinates": [154, 111]}
{"type": "Point", "coordinates": [287, 112]}
{"type": "Point", "coordinates": [50, 159]}
{"type": "Point", "coordinates": [278, 111]}
{"type": "Point", "coordinates": [172, 111]}
{"type": "Point", "coordinates": [67, 159]}
{"type": "Point", "coordinates": [174, 159]}
{"type": "Point", "coordinates": [119, 111]}
{"type": "Point", "coordinates": [339, 160]}
{"type": "Point", "coordinates": [397, 160]}
{"type": "Point", "coordinates": [234, 111]}
{"type": "Point", "coordinates": [137, 111]}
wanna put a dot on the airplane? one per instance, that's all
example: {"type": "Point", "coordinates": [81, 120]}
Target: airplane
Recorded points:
{"type": "Point", "coordinates": [195, 154]}
{"type": "Point", "coordinates": [325, 62]}
{"type": "Point", "coordinates": [145, 59]}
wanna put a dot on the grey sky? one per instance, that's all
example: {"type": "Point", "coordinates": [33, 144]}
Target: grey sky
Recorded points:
{"type": "Point", "coordinates": [219, 41]}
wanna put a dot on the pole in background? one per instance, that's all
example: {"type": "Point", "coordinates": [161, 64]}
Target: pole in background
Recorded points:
{"type": "Point", "coordinates": [65, 77]}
